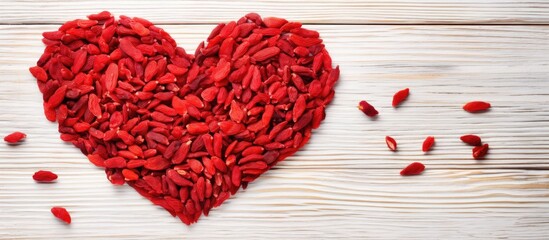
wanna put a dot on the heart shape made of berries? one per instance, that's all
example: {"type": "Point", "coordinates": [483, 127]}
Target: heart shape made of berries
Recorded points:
{"type": "Point", "coordinates": [185, 130]}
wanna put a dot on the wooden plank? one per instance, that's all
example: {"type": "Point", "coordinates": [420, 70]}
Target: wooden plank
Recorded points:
{"type": "Point", "coordinates": [345, 183]}
{"type": "Point", "coordinates": [320, 11]}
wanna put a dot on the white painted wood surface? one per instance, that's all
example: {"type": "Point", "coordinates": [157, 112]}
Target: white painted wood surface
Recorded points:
{"type": "Point", "coordinates": [318, 11]}
{"type": "Point", "coordinates": [344, 183]}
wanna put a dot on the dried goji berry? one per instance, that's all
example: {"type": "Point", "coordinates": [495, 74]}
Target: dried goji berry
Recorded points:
{"type": "Point", "coordinates": [476, 106]}
{"type": "Point", "coordinates": [480, 151]}
{"type": "Point", "coordinates": [15, 137]}
{"type": "Point", "coordinates": [400, 96]}
{"type": "Point", "coordinates": [472, 140]}
{"type": "Point", "coordinates": [367, 109]}
{"type": "Point", "coordinates": [44, 176]}
{"type": "Point", "coordinates": [391, 143]}
{"type": "Point", "coordinates": [414, 168]}
{"type": "Point", "coordinates": [428, 143]}
{"type": "Point", "coordinates": [62, 214]}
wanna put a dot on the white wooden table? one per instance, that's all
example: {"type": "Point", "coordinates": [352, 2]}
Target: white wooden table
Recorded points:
{"type": "Point", "coordinates": [344, 183]}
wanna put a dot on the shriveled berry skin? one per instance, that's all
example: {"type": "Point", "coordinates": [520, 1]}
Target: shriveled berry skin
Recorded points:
{"type": "Point", "coordinates": [476, 106]}
{"type": "Point", "coordinates": [44, 176]}
{"type": "Point", "coordinates": [15, 137]}
{"type": "Point", "coordinates": [414, 168]}
{"type": "Point", "coordinates": [367, 109]}
{"type": "Point", "coordinates": [428, 144]}
{"type": "Point", "coordinates": [480, 151]}
{"type": "Point", "coordinates": [391, 143]}
{"type": "Point", "coordinates": [472, 140]}
{"type": "Point", "coordinates": [62, 214]}
{"type": "Point", "coordinates": [400, 96]}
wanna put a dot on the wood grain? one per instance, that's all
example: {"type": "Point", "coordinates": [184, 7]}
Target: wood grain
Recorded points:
{"type": "Point", "coordinates": [345, 183]}
{"type": "Point", "coordinates": [318, 12]}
